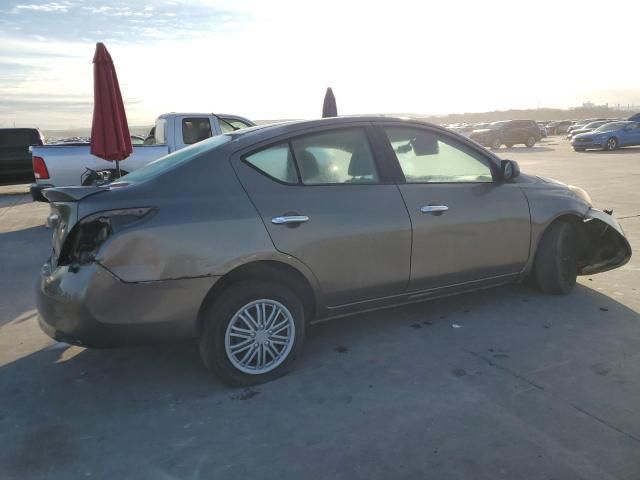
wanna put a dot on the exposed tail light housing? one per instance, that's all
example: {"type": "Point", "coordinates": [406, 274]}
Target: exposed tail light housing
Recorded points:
{"type": "Point", "coordinates": [39, 168]}
{"type": "Point", "coordinates": [86, 237]}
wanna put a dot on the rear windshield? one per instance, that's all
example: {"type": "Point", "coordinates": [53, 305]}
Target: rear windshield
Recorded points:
{"type": "Point", "coordinates": [19, 138]}
{"type": "Point", "coordinates": [171, 161]}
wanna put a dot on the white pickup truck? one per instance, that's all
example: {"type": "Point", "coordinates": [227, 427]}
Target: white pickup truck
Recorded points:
{"type": "Point", "coordinates": [67, 165]}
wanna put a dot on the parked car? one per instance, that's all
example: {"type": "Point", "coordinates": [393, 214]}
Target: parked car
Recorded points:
{"type": "Point", "coordinates": [610, 136]}
{"type": "Point", "coordinates": [543, 129]}
{"type": "Point", "coordinates": [15, 159]}
{"type": "Point", "coordinates": [558, 128]}
{"type": "Point", "coordinates": [244, 239]}
{"type": "Point", "coordinates": [137, 140]}
{"type": "Point", "coordinates": [635, 118]}
{"type": "Point", "coordinates": [509, 133]}
{"type": "Point", "coordinates": [66, 165]}
{"type": "Point", "coordinates": [587, 128]}
{"type": "Point", "coordinates": [581, 123]}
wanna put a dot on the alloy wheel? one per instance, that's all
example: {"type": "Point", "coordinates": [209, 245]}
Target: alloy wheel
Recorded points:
{"type": "Point", "coordinates": [260, 336]}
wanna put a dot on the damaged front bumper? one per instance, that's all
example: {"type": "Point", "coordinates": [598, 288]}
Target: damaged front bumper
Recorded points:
{"type": "Point", "coordinates": [605, 245]}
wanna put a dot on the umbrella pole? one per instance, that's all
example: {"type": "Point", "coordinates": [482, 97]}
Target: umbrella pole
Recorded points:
{"type": "Point", "coordinates": [118, 168]}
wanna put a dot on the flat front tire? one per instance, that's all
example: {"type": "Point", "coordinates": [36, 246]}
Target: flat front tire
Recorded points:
{"type": "Point", "coordinates": [252, 333]}
{"type": "Point", "coordinates": [555, 265]}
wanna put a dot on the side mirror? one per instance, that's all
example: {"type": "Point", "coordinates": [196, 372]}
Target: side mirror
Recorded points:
{"type": "Point", "coordinates": [509, 170]}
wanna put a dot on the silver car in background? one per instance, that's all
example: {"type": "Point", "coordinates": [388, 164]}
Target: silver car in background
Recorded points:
{"type": "Point", "coordinates": [243, 239]}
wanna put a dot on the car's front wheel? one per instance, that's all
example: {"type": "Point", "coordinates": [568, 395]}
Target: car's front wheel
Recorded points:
{"type": "Point", "coordinates": [531, 141]}
{"type": "Point", "coordinates": [252, 333]}
{"type": "Point", "coordinates": [612, 144]}
{"type": "Point", "coordinates": [555, 266]}
{"type": "Point", "coordinates": [495, 143]}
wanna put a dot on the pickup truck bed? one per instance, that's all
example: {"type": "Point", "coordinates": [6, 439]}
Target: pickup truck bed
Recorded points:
{"type": "Point", "coordinates": [60, 156]}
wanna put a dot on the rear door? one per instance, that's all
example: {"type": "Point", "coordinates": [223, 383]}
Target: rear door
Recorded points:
{"type": "Point", "coordinates": [467, 227]}
{"type": "Point", "coordinates": [325, 200]}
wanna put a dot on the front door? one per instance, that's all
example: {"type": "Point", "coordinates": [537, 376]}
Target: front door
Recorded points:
{"type": "Point", "coordinates": [466, 225]}
{"type": "Point", "coordinates": [324, 201]}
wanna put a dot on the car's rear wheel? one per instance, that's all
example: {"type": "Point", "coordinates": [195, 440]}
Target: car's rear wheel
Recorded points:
{"type": "Point", "coordinates": [495, 143]}
{"type": "Point", "coordinates": [612, 144]}
{"type": "Point", "coordinates": [555, 265]}
{"type": "Point", "coordinates": [531, 141]}
{"type": "Point", "coordinates": [252, 333]}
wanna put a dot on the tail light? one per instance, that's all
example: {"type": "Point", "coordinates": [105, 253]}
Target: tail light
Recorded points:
{"type": "Point", "coordinates": [86, 238]}
{"type": "Point", "coordinates": [40, 168]}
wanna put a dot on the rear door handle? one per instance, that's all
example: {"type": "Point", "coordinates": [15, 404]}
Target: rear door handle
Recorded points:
{"type": "Point", "coordinates": [434, 209]}
{"type": "Point", "coordinates": [284, 219]}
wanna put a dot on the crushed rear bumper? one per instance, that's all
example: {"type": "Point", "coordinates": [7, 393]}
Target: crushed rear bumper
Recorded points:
{"type": "Point", "coordinates": [89, 306]}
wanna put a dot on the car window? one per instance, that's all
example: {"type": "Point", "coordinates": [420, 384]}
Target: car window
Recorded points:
{"type": "Point", "coordinates": [276, 162]}
{"type": "Point", "coordinates": [195, 130]}
{"type": "Point", "coordinates": [427, 157]}
{"type": "Point", "coordinates": [337, 156]}
{"type": "Point", "coordinates": [227, 123]}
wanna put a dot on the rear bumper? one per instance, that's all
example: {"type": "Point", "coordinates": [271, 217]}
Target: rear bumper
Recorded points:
{"type": "Point", "coordinates": [93, 308]}
{"type": "Point", "coordinates": [35, 190]}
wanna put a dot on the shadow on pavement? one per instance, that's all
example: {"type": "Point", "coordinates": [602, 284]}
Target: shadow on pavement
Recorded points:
{"type": "Point", "coordinates": [61, 404]}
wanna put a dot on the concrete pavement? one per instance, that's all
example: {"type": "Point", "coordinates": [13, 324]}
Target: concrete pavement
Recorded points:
{"type": "Point", "coordinates": [505, 383]}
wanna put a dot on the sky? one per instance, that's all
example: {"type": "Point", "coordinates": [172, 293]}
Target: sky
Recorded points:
{"type": "Point", "coordinates": [273, 59]}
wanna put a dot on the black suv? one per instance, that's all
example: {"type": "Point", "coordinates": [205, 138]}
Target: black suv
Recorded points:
{"type": "Point", "coordinates": [15, 157]}
{"type": "Point", "coordinates": [508, 133]}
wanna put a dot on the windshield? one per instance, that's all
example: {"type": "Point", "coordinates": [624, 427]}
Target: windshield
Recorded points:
{"type": "Point", "coordinates": [168, 162]}
{"type": "Point", "coordinates": [610, 127]}
{"type": "Point", "coordinates": [595, 124]}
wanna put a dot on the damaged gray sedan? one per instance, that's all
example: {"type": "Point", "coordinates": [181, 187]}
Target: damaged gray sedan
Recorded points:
{"type": "Point", "coordinates": [242, 240]}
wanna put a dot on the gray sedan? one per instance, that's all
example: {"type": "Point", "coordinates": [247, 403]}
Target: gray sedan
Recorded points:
{"type": "Point", "coordinates": [241, 240]}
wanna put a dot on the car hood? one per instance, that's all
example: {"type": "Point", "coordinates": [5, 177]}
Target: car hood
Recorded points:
{"type": "Point", "coordinates": [589, 133]}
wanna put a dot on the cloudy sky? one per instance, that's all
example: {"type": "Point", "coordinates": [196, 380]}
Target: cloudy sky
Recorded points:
{"type": "Point", "coordinates": [273, 59]}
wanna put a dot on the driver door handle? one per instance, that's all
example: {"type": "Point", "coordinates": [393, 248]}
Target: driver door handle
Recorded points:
{"type": "Point", "coordinates": [284, 219]}
{"type": "Point", "coordinates": [434, 209]}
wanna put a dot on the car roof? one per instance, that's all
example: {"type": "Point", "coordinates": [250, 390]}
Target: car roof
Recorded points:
{"type": "Point", "coordinates": [292, 126]}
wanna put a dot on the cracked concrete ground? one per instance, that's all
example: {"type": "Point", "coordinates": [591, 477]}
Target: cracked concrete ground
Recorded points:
{"type": "Point", "coordinates": [505, 383]}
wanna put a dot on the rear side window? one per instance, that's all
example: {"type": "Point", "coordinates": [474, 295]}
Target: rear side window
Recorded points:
{"type": "Point", "coordinates": [276, 162]}
{"type": "Point", "coordinates": [228, 124]}
{"type": "Point", "coordinates": [195, 130]}
{"type": "Point", "coordinates": [339, 156]}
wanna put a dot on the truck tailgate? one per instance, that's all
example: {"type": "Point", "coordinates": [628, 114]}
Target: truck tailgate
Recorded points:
{"type": "Point", "coordinates": [67, 163]}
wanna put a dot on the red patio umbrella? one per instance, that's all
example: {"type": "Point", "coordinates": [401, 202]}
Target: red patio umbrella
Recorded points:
{"type": "Point", "coordinates": [110, 137]}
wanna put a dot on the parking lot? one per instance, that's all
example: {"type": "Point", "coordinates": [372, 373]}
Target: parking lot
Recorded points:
{"type": "Point", "coordinates": [504, 383]}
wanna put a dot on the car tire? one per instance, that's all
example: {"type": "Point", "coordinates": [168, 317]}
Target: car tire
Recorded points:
{"type": "Point", "coordinates": [611, 144]}
{"type": "Point", "coordinates": [495, 143]}
{"type": "Point", "coordinates": [226, 325]}
{"type": "Point", "coordinates": [531, 141]}
{"type": "Point", "coordinates": [555, 266]}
